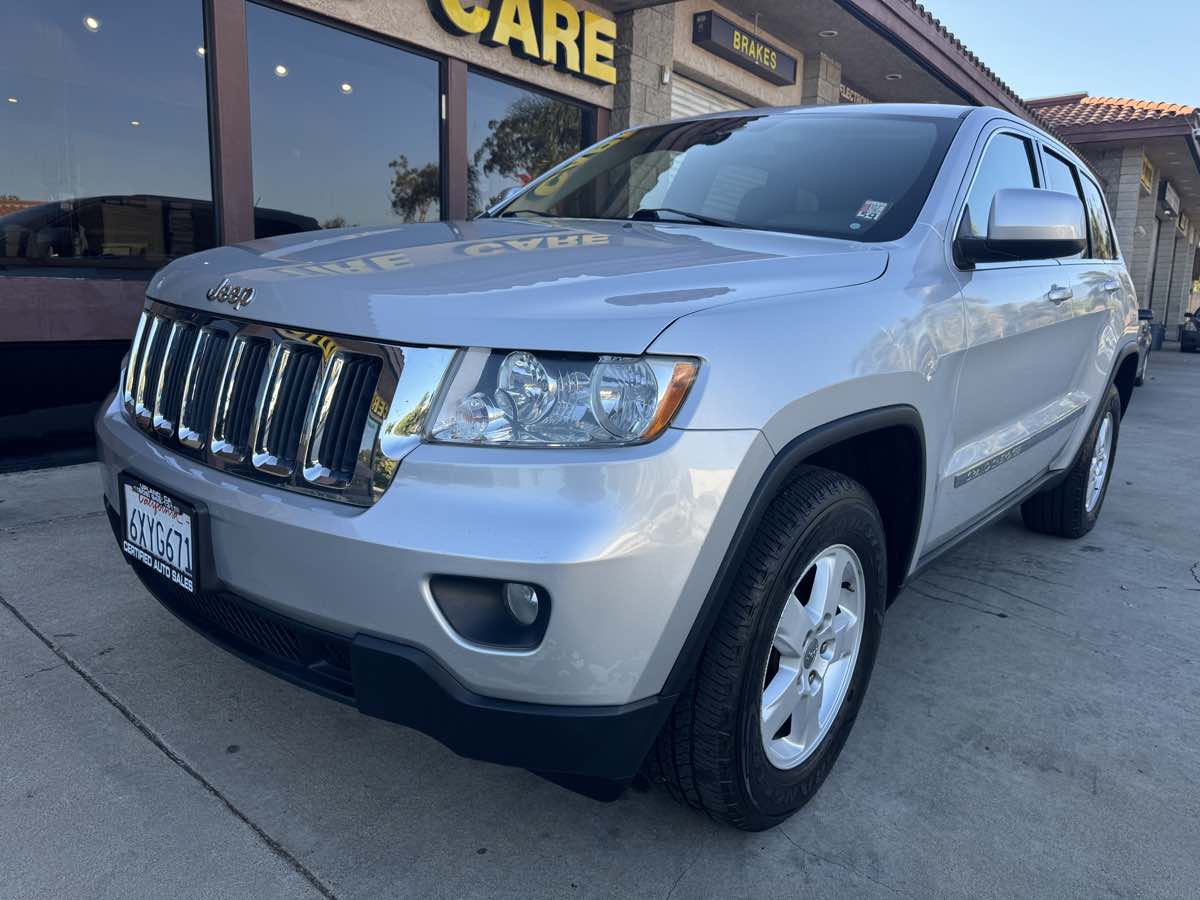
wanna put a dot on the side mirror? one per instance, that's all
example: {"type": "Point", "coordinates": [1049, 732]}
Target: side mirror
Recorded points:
{"type": "Point", "coordinates": [1147, 315]}
{"type": "Point", "coordinates": [1025, 224]}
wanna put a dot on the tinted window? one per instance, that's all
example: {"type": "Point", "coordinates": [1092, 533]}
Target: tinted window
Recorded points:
{"type": "Point", "coordinates": [513, 136]}
{"type": "Point", "coordinates": [863, 178]}
{"type": "Point", "coordinates": [1103, 245]}
{"type": "Point", "coordinates": [345, 130]}
{"type": "Point", "coordinates": [1007, 163]}
{"type": "Point", "coordinates": [104, 157]}
{"type": "Point", "coordinates": [1060, 176]}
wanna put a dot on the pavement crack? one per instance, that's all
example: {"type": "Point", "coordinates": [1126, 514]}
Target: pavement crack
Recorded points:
{"type": "Point", "coordinates": [971, 606]}
{"type": "Point", "coordinates": [33, 523]}
{"type": "Point", "coordinates": [136, 721]}
{"type": "Point", "coordinates": [678, 878]}
{"type": "Point", "coordinates": [43, 669]}
{"type": "Point", "coordinates": [1008, 593]}
{"type": "Point", "coordinates": [842, 865]}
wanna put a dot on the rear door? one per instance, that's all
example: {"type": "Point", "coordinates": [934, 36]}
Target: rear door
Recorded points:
{"type": "Point", "coordinates": [1100, 285]}
{"type": "Point", "coordinates": [1016, 388]}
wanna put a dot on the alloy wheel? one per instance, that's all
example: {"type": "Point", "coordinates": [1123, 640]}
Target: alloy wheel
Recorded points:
{"type": "Point", "coordinates": [1101, 454]}
{"type": "Point", "coordinates": [812, 658]}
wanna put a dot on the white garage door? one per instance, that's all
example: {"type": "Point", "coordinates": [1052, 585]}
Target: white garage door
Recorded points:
{"type": "Point", "coordinates": [690, 98]}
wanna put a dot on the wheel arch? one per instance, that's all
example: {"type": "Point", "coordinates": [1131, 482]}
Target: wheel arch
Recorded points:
{"type": "Point", "coordinates": [1123, 376]}
{"type": "Point", "coordinates": [868, 446]}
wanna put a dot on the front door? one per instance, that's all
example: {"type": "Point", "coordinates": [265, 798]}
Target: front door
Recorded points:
{"type": "Point", "coordinates": [1016, 396]}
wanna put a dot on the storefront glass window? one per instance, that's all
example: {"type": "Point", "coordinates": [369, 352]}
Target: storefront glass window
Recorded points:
{"type": "Point", "coordinates": [104, 151]}
{"type": "Point", "coordinates": [513, 136]}
{"type": "Point", "coordinates": [345, 130]}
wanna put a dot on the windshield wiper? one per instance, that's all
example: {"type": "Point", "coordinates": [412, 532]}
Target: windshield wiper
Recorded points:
{"type": "Point", "coordinates": [656, 215]}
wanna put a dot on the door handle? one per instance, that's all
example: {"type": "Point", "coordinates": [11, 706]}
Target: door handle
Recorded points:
{"type": "Point", "coordinates": [1112, 286]}
{"type": "Point", "coordinates": [1059, 294]}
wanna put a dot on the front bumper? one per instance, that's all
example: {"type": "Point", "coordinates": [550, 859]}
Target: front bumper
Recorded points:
{"type": "Point", "coordinates": [627, 543]}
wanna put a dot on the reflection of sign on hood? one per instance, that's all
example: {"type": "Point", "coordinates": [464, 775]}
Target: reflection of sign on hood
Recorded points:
{"type": "Point", "coordinates": [539, 242]}
{"type": "Point", "coordinates": [394, 260]}
{"type": "Point", "coordinates": [553, 32]}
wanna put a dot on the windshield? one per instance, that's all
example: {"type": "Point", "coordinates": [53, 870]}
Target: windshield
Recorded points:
{"type": "Point", "coordinates": [860, 177]}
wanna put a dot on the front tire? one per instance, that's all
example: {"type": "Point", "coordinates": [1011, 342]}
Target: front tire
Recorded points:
{"type": "Point", "coordinates": [1071, 508]}
{"type": "Point", "coordinates": [783, 674]}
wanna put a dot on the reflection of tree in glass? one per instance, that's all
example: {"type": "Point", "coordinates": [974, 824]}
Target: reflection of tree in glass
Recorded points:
{"type": "Point", "coordinates": [335, 222]}
{"type": "Point", "coordinates": [534, 135]}
{"type": "Point", "coordinates": [415, 191]}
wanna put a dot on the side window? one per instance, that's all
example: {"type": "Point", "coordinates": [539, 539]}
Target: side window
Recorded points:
{"type": "Point", "coordinates": [1007, 163]}
{"type": "Point", "coordinates": [1061, 176]}
{"type": "Point", "coordinates": [1103, 245]}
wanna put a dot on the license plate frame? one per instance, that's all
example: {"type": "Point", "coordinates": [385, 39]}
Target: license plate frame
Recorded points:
{"type": "Point", "coordinates": [187, 578]}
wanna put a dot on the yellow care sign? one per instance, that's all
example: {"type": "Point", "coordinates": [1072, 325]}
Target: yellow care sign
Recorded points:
{"type": "Point", "coordinates": [547, 32]}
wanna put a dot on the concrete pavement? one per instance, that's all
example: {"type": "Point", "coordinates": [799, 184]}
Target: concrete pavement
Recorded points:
{"type": "Point", "coordinates": [1030, 730]}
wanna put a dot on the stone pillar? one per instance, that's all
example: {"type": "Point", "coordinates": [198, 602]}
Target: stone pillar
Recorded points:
{"type": "Point", "coordinates": [822, 80]}
{"type": "Point", "coordinates": [1161, 278]}
{"type": "Point", "coordinates": [1132, 208]}
{"type": "Point", "coordinates": [645, 48]}
{"type": "Point", "coordinates": [1181, 281]}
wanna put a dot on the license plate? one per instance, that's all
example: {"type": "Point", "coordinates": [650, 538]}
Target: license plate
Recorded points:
{"type": "Point", "coordinates": [159, 531]}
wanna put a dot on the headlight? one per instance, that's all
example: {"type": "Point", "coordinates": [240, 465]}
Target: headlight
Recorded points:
{"type": "Point", "coordinates": [559, 400]}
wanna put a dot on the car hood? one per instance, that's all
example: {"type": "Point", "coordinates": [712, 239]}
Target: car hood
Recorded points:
{"type": "Point", "coordinates": [553, 284]}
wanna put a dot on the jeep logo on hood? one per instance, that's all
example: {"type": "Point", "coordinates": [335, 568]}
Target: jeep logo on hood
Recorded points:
{"type": "Point", "coordinates": [228, 292]}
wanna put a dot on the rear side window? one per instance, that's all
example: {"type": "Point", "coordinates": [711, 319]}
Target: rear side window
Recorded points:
{"type": "Point", "coordinates": [1099, 232]}
{"type": "Point", "coordinates": [1007, 163]}
{"type": "Point", "coordinates": [1061, 176]}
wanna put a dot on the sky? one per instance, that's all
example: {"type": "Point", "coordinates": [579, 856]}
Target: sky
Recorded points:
{"type": "Point", "coordinates": [1148, 50]}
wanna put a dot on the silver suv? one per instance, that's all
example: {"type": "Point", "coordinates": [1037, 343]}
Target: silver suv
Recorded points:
{"type": "Point", "coordinates": [622, 475]}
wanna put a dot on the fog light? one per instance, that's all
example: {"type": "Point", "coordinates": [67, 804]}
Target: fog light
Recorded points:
{"type": "Point", "coordinates": [521, 601]}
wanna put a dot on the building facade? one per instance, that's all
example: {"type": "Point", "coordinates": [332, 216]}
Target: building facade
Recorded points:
{"type": "Point", "coordinates": [1147, 155]}
{"type": "Point", "coordinates": [137, 131]}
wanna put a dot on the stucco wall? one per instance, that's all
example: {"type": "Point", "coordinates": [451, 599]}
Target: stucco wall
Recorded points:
{"type": "Point", "coordinates": [411, 21]}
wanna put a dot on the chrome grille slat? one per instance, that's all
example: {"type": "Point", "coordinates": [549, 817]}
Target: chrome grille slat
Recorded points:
{"type": "Point", "coordinates": [333, 441]}
{"type": "Point", "coordinates": [326, 416]}
{"type": "Point", "coordinates": [148, 366]}
{"type": "Point", "coordinates": [287, 389]}
{"type": "Point", "coordinates": [170, 377]}
{"type": "Point", "coordinates": [135, 357]}
{"type": "Point", "coordinates": [199, 387]}
{"type": "Point", "coordinates": [240, 395]}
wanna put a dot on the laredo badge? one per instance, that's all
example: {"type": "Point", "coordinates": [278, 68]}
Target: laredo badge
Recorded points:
{"type": "Point", "coordinates": [228, 292]}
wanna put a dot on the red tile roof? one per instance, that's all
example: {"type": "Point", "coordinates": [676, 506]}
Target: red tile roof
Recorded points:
{"type": "Point", "coordinates": [1075, 111]}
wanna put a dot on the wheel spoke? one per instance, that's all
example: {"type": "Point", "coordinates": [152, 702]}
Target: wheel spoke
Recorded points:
{"type": "Point", "coordinates": [845, 634]}
{"type": "Point", "coordinates": [792, 629]}
{"type": "Point", "coordinates": [826, 588]}
{"type": "Point", "coordinates": [806, 717]}
{"type": "Point", "coordinates": [779, 701]}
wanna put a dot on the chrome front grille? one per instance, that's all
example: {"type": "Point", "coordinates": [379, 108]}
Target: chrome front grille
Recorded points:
{"type": "Point", "coordinates": [318, 414]}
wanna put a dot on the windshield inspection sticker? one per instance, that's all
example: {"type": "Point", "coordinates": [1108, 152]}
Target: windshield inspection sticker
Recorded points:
{"type": "Point", "coordinates": [872, 210]}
